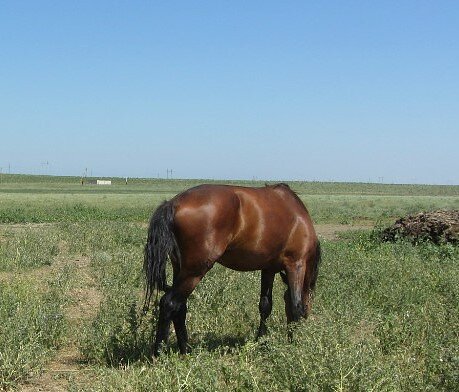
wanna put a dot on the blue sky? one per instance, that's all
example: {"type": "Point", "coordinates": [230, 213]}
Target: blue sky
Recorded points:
{"type": "Point", "coordinates": [329, 90]}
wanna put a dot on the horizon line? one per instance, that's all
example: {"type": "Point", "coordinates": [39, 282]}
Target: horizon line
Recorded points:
{"type": "Point", "coordinates": [255, 180]}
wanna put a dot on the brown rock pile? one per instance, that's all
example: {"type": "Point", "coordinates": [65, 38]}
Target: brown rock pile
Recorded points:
{"type": "Point", "coordinates": [440, 226]}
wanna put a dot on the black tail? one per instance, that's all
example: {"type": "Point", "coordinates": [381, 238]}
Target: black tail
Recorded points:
{"type": "Point", "coordinates": [161, 245]}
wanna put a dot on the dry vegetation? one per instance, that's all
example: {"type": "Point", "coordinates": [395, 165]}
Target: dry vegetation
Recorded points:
{"type": "Point", "coordinates": [440, 226]}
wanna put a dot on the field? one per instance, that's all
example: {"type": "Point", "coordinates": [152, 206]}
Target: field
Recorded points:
{"type": "Point", "coordinates": [385, 315]}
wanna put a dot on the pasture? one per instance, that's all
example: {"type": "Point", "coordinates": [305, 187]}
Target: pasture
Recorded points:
{"type": "Point", "coordinates": [385, 316]}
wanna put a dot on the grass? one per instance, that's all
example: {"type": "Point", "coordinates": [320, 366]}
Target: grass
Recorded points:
{"type": "Point", "coordinates": [385, 316]}
{"type": "Point", "coordinates": [137, 207]}
{"type": "Point", "coordinates": [28, 248]}
{"type": "Point", "coordinates": [32, 326]}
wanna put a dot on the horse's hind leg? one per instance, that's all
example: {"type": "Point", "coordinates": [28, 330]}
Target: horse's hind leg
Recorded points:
{"type": "Point", "coordinates": [167, 306]}
{"type": "Point", "coordinates": [266, 299]}
{"type": "Point", "coordinates": [180, 328]}
{"type": "Point", "coordinates": [172, 307]}
{"type": "Point", "coordinates": [184, 288]}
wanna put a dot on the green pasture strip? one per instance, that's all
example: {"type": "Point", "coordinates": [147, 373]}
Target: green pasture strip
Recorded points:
{"type": "Point", "coordinates": [138, 207]}
{"type": "Point", "coordinates": [348, 209]}
{"type": "Point", "coordinates": [39, 199]}
{"type": "Point", "coordinates": [38, 208]}
{"type": "Point", "coordinates": [385, 317]}
{"type": "Point", "coordinates": [32, 325]}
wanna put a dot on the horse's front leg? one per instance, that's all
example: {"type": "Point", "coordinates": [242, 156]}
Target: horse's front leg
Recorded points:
{"type": "Point", "coordinates": [266, 300]}
{"type": "Point", "coordinates": [293, 297]}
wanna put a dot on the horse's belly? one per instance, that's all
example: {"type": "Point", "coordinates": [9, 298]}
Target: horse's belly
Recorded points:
{"type": "Point", "coordinates": [248, 261]}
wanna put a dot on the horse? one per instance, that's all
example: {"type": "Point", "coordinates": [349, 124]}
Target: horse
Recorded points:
{"type": "Point", "coordinates": [242, 228]}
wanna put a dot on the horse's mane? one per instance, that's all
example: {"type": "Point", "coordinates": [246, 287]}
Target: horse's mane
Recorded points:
{"type": "Point", "coordinates": [278, 185]}
{"type": "Point", "coordinates": [285, 186]}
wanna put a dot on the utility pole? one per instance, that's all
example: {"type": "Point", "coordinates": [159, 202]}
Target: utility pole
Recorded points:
{"type": "Point", "coordinates": [45, 166]}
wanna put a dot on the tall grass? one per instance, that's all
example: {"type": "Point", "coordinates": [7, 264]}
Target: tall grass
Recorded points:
{"type": "Point", "coordinates": [32, 325]}
{"type": "Point", "coordinates": [26, 248]}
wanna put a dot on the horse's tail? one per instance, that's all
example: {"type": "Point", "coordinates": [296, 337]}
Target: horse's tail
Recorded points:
{"type": "Point", "coordinates": [161, 246]}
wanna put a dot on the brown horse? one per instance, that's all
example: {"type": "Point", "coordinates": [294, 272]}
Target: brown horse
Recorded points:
{"type": "Point", "coordinates": [246, 229]}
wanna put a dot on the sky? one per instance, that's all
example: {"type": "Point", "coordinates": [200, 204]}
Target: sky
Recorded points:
{"type": "Point", "coordinates": [358, 91]}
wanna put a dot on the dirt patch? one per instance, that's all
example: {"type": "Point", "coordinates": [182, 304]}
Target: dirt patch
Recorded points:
{"type": "Point", "coordinates": [330, 231]}
{"type": "Point", "coordinates": [66, 367]}
{"type": "Point", "coordinates": [85, 296]}
{"type": "Point", "coordinates": [40, 274]}
{"type": "Point", "coordinates": [24, 226]}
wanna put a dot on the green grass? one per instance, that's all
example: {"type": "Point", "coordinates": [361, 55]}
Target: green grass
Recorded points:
{"type": "Point", "coordinates": [28, 248]}
{"type": "Point", "coordinates": [137, 207]}
{"type": "Point", "coordinates": [385, 316]}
